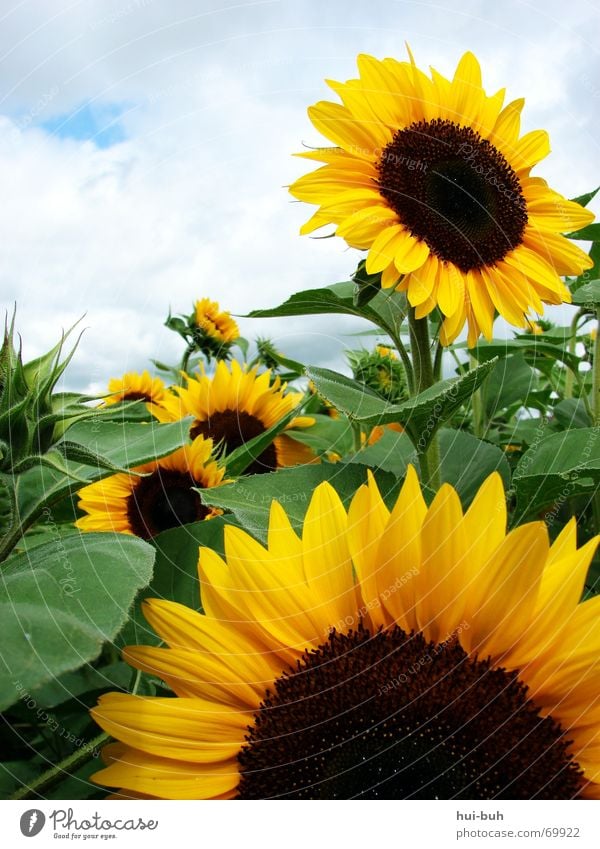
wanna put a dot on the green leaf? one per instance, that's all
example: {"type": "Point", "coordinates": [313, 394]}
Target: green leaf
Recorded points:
{"type": "Point", "coordinates": [591, 233]}
{"type": "Point", "coordinates": [249, 500]}
{"type": "Point", "coordinates": [556, 469]}
{"type": "Point", "coordinates": [583, 200]}
{"type": "Point", "coordinates": [467, 461]}
{"type": "Point", "coordinates": [326, 435]}
{"type": "Point", "coordinates": [588, 295]}
{"type": "Point", "coordinates": [61, 601]}
{"type": "Point", "coordinates": [511, 381]}
{"type": "Point", "coordinates": [393, 452]}
{"type": "Point", "coordinates": [572, 412]}
{"type": "Point", "coordinates": [421, 416]}
{"type": "Point", "coordinates": [385, 308]}
{"type": "Point", "coordinates": [536, 347]}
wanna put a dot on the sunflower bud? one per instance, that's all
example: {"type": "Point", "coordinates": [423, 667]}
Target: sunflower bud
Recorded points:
{"type": "Point", "coordinates": [27, 415]}
{"type": "Point", "coordinates": [380, 370]}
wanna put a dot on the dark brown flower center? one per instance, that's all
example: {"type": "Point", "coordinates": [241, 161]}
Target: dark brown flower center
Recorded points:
{"type": "Point", "coordinates": [455, 191]}
{"type": "Point", "coordinates": [165, 499]}
{"type": "Point", "coordinates": [392, 716]}
{"type": "Point", "coordinates": [234, 428]}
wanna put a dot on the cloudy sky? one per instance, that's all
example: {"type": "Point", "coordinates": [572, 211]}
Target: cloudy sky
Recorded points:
{"type": "Point", "coordinates": [145, 146]}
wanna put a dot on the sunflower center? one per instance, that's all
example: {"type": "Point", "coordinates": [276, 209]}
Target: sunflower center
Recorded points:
{"type": "Point", "coordinates": [164, 500]}
{"type": "Point", "coordinates": [234, 428]}
{"type": "Point", "coordinates": [455, 191]}
{"type": "Point", "coordinates": [392, 716]}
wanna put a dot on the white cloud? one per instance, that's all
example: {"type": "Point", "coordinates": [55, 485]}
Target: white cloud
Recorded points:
{"type": "Point", "coordinates": [193, 202]}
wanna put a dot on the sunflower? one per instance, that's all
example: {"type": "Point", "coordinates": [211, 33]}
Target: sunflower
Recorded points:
{"type": "Point", "coordinates": [411, 653]}
{"type": "Point", "coordinates": [163, 498]}
{"type": "Point", "coordinates": [432, 177]}
{"type": "Point", "coordinates": [233, 407]}
{"type": "Point", "coordinates": [133, 386]}
{"type": "Point", "coordinates": [218, 325]}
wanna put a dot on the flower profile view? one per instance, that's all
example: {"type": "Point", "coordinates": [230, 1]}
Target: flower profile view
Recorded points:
{"type": "Point", "coordinates": [219, 325]}
{"type": "Point", "coordinates": [161, 496]}
{"type": "Point", "coordinates": [416, 652]}
{"type": "Point", "coordinates": [433, 178]}
{"type": "Point", "coordinates": [235, 405]}
{"type": "Point", "coordinates": [134, 386]}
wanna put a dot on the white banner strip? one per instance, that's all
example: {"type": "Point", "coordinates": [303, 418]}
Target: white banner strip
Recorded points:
{"type": "Point", "coordinates": [262, 825]}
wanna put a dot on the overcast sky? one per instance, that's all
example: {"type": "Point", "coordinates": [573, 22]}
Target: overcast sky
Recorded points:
{"type": "Point", "coordinates": [145, 146]}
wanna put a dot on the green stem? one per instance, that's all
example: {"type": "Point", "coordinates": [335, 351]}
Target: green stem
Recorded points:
{"type": "Point", "coordinates": [438, 361]}
{"type": "Point", "coordinates": [406, 362]}
{"type": "Point", "coordinates": [47, 780]}
{"type": "Point", "coordinates": [477, 406]}
{"type": "Point", "coordinates": [569, 377]}
{"type": "Point", "coordinates": [424, 378]}
{"type": "Point", "coordinates": [596, 409]}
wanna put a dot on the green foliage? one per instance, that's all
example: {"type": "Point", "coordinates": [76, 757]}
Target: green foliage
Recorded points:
{"type": "Point", "coordinates": [62, 601]}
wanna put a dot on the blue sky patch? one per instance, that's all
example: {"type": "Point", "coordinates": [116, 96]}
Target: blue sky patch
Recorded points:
{"type": "Point", "coordinates": [100, 123]}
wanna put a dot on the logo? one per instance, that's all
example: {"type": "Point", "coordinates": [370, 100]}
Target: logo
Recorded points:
{"type": "Point", "coordinates": [32, 822]}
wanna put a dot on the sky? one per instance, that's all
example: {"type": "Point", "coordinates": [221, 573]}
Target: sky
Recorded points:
{"type": "Point", "coordinates": [145, 147]}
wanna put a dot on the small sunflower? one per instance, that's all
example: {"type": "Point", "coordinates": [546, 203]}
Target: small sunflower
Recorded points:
{"type": "Point", "coordinates": [218, 325]}
{"type": "Point", "coordinates": [134, 386]}
{"type": "Point", "coordinates": [411, 653]}
{"type": "Point", "coordinates": [162, 499]}
{"type": "Point", "coordinates": [432, 177]}
{"type": "Point", "coordinates": [233, 407]}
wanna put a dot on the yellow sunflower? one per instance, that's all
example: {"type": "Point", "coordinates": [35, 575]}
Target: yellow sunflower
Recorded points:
{"type": "Point", "coordinates": [233, 407]}
{"type": "Point", "coordinates": [216, 324]}
{"type": "Point", "coordinates": [133, 386]}
{"type": "Point", "coordinates": [411, 653]}
{"type": "Point", "coordinates": [432, 177]}
{"type": "Point", "coordinates": [162, 499]}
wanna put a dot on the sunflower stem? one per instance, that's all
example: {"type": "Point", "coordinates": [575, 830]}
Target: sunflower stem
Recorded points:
{"type": "Point", "coordinates": [477, 405]}
{"type": "Point", "coordinates": [424, 378]}
{"type": "Point", "coordinates": [47, 780]}
{"type": "Point", "coordinates": [570, 377]}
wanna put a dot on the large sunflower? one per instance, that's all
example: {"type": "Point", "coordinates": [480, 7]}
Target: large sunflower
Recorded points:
{"type": "Point", "coordinates": [417, 653]}
{"type": "Point", "coordinates": [133, 386]}
{"type": "Point", "coordinates": [163, 498]}
{"type": "Point", "coordinates": [233, 407]}
{"type": "Point", "coordinates": [432, 177]}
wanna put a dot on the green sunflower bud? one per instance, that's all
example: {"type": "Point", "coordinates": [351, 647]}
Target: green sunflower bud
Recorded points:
{"type": "Point", "coordinates": [380, 370]}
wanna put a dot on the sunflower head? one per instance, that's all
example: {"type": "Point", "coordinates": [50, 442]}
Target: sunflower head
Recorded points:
{"type": "Point", "coordinates": [214, 329]}
{"type": "Point", "coordinates": [133, 386]}
{"type": "Point", "coordinates": [432, 177]}
{"type": "Point", "coordinates": [234, 406]}
{"type": "Point", "coordinates": [384, 652]}
{"type": "Point", "coordinates": [161, 495]}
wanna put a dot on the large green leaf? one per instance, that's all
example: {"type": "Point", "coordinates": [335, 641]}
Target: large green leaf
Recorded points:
{"type": "Point", "coordinates": [511, 381]}
{"type": "Point", "coordinates": [326, 435]}
{"type": "Point", "coordinates": [588, 295]}
{"type": "Point", "coordinates": [421, 416]}
{"type": "Point", "coordinates": [391, 453]}
{"type": "Point", "coordinates": [125, 445]}
{"type": "Point", "coordinates": [249, 500]}
{"type": "Point", "coordinates": [467, 461]}
{"type": "Point", "coordinates": [536, 348]}
{"type": "Point", "coordinates": [61, 601]}
{"type": "Point", "coordinates": [556, 469]}
{"type": "Point", "coordinates": [387, 308]}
